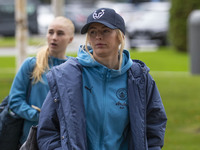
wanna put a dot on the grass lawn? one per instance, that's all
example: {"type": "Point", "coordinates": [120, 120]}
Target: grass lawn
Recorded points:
{"type": "Point", "coordinates": [178, 88]}
{"type": "Point", "coordinates": [180, 95]}
{"type": "Point", "coordinates": [164, 59]}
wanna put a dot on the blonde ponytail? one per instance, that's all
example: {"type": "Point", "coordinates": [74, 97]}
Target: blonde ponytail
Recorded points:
{"type": "Point", "coordinates": [41, 64]}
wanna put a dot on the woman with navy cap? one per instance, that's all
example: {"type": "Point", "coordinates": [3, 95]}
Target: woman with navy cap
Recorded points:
{"type": "Point", "coordinates": [102, 100]}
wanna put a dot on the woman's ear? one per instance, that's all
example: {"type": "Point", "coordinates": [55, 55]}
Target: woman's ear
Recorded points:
{"type": "Point", "coordinates": [71, 39]}
{"type": "Point", "coordinates": [123, 36]}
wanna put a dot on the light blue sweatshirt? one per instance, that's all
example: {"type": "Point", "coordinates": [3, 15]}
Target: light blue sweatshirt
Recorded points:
{"type": "Point", "coordinates": [105, 101]}
{"type": "Point", "coordinates": [18, 92]}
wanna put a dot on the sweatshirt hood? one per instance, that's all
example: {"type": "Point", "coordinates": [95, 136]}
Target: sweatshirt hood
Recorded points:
{"type": "Point", "coordinates": [86, 60]}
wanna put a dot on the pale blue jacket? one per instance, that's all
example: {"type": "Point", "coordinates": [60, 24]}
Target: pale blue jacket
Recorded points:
{"type": "Point", "coordinates": [62, 122]}
{"type": "Point", "coordinates": [106, 102]}
{"type": "Point", "coordinates": [18, 93]}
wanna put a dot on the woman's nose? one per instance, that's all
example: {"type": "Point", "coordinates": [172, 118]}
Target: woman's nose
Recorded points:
{"type": "Point", "coordinates": [99, 34]}
{"type": "Point", "coordinates": [54, 36]}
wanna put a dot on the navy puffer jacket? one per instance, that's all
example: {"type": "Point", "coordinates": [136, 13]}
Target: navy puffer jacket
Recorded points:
{"type": "Point", "coordinates": [62, 123]}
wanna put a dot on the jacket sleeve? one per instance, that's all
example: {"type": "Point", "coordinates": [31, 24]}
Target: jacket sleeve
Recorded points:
{"type": "Point", "coordinates": [48, 133]}
{"type": "Point", "coordinates": [156, 116]}
{"type": "Point", "coordinates": [18, 93]}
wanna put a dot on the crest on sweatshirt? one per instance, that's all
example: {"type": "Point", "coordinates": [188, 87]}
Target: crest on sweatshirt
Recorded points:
{"type": "Point", "coordinates": [121, 94]}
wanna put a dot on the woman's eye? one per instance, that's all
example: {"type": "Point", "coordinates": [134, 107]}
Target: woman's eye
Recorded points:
{"type": "Point", "coordinates": [60, 33]}
{"type": "Point", "coordinates": [51, 32]}
{"type": "Point", "coordinates": [92, 32]}
{"type": "Point", "coordinates": [106, 31]}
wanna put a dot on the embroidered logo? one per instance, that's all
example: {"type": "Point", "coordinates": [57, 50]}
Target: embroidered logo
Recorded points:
{"type": "Point", "coordinates": [98, 15]}
{"type": "Point", "coordinates": [89, 89]}
{"type": "Point", "coordinates": [121, 94]}
{"type": "Point", "coordinates": [122, 105]}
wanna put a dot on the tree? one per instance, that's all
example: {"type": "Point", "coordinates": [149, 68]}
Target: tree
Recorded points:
{"type": "Point", "coordinates": [21, 31]}
{"type": "Point", "coordinates": [179, 13]}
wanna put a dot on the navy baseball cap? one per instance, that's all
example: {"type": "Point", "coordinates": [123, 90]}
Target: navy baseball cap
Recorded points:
{"type": "Point", "coordinates": [105, 16]}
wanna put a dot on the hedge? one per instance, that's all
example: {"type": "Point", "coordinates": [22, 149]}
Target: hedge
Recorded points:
{"type": "Point", "coordinates": [179, 12]}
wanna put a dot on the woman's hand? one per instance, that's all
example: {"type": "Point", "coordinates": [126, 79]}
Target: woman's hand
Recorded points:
{"type": "Point", "coordinates": [35, 107]}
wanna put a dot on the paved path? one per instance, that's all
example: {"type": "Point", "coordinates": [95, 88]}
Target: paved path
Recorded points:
{"type": "Point", "coordinates": [73, 47]}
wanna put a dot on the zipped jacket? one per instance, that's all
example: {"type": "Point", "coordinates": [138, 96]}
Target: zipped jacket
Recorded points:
{"type": "Point", "coordinates": [19, 103]}
{"type": "Point", "coordinates": [62, 122]}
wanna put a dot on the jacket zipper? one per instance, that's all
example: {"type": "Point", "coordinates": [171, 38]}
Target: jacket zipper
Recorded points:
{"type": "Point", "coordinates": [104, 109]}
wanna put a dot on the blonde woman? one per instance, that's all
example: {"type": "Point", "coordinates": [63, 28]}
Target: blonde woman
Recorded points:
{"type": "Point", "coordinates": [60, 33]}
{"type": "Point", "coordinates": [102, 100]}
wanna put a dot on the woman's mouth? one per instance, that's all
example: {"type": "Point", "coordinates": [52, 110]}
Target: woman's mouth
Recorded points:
{"type": "Point", "coordinates": [100, 45]}
{"type": "Point", "coordinates": [53, 45]}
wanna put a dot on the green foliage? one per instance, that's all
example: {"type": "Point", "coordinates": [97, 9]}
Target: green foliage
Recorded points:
{"type": "Point", "coordinates": [179, 13]}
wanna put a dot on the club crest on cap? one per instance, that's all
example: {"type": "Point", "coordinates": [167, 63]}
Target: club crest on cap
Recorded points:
{"type": "Point", "coordinates": [98, 15]}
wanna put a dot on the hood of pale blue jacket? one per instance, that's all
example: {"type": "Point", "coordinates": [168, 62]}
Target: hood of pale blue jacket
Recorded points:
{"type": "Point", "coordinates": [86, 60]}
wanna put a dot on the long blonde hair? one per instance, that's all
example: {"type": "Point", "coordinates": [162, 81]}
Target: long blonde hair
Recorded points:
{"type": "Point", "coordinates": [121, 46]}
{"type": "Point", "coordinates": [41, 65]}
{"type": "Point", "coordinates": [42, 56]}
